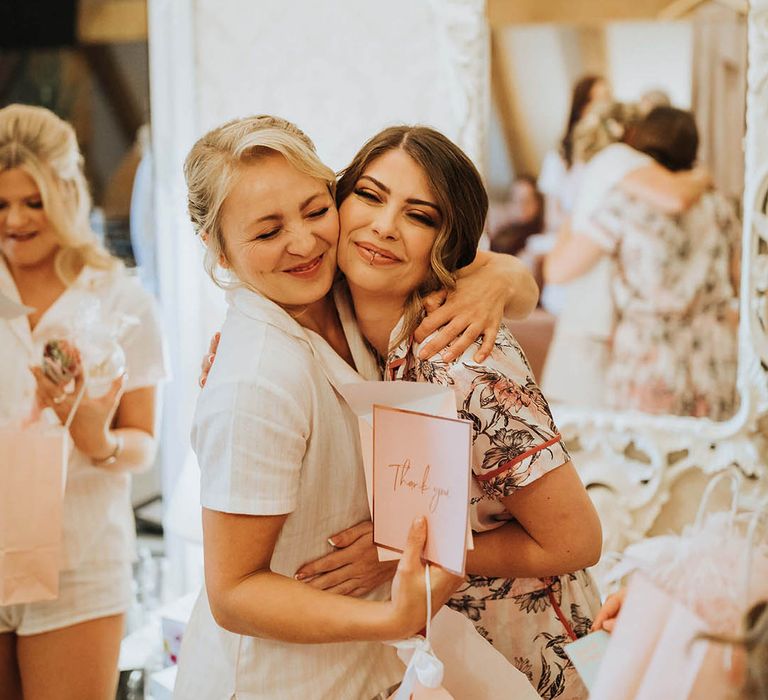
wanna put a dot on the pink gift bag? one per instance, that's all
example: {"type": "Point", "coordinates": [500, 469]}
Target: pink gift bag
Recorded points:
{"type": "Point", "coordinates": [633, 641]}
{"type": "Point", "coordinates": [33, 463]}
{"type": "Point", "coordinates": [658, 648]}
{"type": "Point", "coordinates": [455, 661]}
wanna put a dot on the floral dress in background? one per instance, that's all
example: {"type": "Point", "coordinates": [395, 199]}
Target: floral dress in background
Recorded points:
{"type": "Point", "coordinates": [675, 346]}
{"type": "Point", "coordinates": [514, 442]}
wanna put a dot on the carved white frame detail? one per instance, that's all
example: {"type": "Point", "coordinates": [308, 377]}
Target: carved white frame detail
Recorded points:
{"type": "Point", "coordinates": [608, 445]}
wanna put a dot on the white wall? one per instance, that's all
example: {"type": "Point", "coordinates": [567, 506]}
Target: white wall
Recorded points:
{"type": "Point", "coordinates": [650, 55]}
{"type": "Point", "coordinates": [542, 82]}
{"type": "Point", "coordinates": [340, 70]}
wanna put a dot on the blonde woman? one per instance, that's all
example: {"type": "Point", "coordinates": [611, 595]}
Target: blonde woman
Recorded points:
{"type": "Point", "coordinates": [276, 444]}
{"type": "Point", "coordinates": [50, 260]}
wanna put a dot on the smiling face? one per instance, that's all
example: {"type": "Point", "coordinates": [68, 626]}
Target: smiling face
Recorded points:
{"type": "Point", "coordinates": [389, 223]}
{"type": "Point", "coordinates": [280, 229]}
{"type": "Point", "coordinates": [27, 238]}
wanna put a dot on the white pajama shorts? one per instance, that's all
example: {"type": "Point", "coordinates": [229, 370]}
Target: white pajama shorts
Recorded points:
{"type": "Point", "coordinates": [91, 591]}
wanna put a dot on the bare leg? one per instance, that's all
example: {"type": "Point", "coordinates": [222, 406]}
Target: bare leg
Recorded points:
{"type": "Point", "coordinates": [10, 682]}
{"type": "Point", "coordinates": [73, 663]}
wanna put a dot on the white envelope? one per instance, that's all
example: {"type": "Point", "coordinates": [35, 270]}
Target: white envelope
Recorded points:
{"type": "Point", "coordinates": [473, 669]}
{"type": "Point", "coordinates": [434, 399]}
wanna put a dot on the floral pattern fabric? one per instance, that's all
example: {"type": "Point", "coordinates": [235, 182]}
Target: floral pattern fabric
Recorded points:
{"type": "Point", "coordinates": [514, 442]}
{"type": "Point", "coordinates": [674, 348]}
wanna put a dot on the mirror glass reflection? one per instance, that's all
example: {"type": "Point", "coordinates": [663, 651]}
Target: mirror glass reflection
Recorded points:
{"type": "Point", "coordinates": [616, 168]}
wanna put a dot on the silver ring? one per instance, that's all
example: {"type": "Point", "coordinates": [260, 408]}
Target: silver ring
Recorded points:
{"type": "Point", "coordinates": [59, 399]}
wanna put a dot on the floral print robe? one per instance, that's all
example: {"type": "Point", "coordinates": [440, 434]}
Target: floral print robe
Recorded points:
{"type": "Point", "coordinates": [514, 442]}
{"type": "Point", "coordinates": [674, 348]}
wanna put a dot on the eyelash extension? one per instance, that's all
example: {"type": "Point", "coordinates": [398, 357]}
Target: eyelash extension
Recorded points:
{"type": "Point", "coordinates": [367, 194]}
{"type": "Point", "coordinates": [421, 218]}
{"type": "Point", "coordinates": [424, 220]}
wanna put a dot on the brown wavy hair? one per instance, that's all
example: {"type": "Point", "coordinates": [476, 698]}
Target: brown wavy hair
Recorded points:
{"type": "Point", "coordinates": [669, 136]}
{"type": "Point", "coordinates": [580, 98]}
{"type": "Point", "coordinates": [459, 193]}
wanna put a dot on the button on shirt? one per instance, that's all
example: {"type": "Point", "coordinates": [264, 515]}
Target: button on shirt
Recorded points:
{"type": "Point", "coordinates": [98, 517]}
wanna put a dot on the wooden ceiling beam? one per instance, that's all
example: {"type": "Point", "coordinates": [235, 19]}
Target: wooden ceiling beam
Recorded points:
{"type": "Point", "coordinates": [111, 21]}
{"type": "Point", "coordinates": [504, 94]}
{"type": "Point", "coordinates": [505, 12]}
{"type": "Point", "coordinates": [106, 70]}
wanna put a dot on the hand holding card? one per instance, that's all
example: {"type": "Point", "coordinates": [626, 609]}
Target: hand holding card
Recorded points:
{"type": "Point", "coordinates": [421, 467]}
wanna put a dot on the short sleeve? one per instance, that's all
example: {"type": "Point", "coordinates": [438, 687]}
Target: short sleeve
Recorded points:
{"type": "Point", "coordinates": [515, 439]}
{"type": "Point", "coordinates": [143, 343]}
{"type": "Point", "coordinates": [250, 440]}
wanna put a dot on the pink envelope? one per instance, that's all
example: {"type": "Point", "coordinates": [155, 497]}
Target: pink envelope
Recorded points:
{"type": "Point", "coordinates": [32, 479]}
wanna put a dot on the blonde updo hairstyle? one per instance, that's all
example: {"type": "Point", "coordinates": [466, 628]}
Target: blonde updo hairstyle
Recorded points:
{"type": "Point", "coordinates": [35, 140]}
{"type": "Point", "coordinates": [212, 166]}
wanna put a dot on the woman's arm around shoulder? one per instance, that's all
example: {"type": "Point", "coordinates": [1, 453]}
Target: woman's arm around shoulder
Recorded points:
{"type": "Point", "coordinates": [495, 286]}
{"type": "Point", "coordinates": [673, 193]}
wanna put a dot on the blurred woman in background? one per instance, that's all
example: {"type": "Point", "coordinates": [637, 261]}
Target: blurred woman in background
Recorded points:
{"type": "Point", "coordinates": [674, 285]}
{"type": "Point", "coordinates": [51, 260]}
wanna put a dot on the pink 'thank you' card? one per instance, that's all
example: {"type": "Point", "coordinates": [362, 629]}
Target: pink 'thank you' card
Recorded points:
{"type": "Point", "coordinates": [421, 466]}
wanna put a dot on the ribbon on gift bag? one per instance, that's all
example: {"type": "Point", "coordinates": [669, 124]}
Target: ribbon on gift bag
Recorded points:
{"type": "Point", "coordinates": [424, 674]}
{"type": "Point", "coordinates": [33, 474]}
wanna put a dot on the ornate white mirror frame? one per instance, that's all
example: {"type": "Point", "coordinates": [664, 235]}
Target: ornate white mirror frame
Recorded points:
{"type": "Point", "coordinates": [639, 458]}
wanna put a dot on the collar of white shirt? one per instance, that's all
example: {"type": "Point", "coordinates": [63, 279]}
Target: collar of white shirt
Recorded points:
{"type": "Point", "coordinates": [337, 371]}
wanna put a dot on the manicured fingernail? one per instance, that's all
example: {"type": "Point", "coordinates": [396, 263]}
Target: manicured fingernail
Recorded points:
{"type": "Point", "coordinates": [420, 521]}
{"type": "Point", "coordinates": [331, 542]}
{"type": "Point", "coordinates": [300, 577]}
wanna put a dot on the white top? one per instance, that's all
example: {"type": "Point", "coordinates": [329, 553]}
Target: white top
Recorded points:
{"type": "Point", "coordinates": [272, 436]}
{"type": "Point", "coordinates": [559, 182]}
{"type": "Point", "coordinates": [587, 309]}
{"type": "Point", "coordinates": [98, 518]}
{"type": "Point", "coordinates": [606, 170]}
